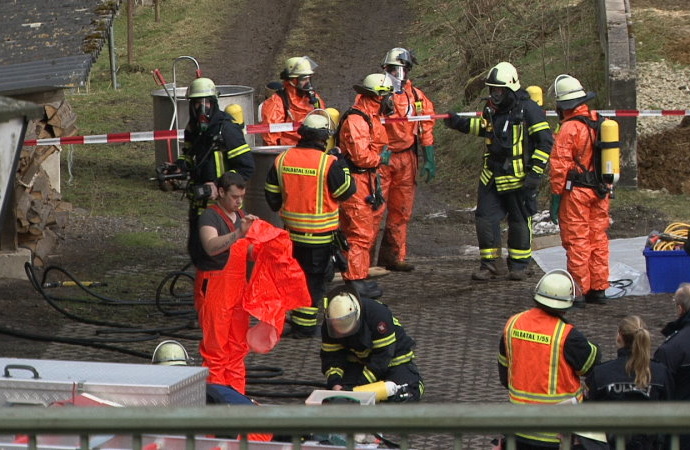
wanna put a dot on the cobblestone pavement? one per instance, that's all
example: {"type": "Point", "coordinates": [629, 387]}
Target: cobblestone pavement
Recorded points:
{"type": "Point", "coordinates": [455, 321]}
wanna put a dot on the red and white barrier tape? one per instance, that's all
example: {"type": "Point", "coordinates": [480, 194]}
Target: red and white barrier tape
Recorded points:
{"type": "Point", "coordinates": [112, 138]}
{"type": "Point", "coordinates": [165, 135]}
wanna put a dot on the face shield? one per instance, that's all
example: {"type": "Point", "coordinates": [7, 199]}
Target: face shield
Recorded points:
{"type": "Point", "coordinates": [398, 75]}
{"type": "Point", "coordinates": [342, 315]}
{"type": "Point", "coordinates": [396, 78]}
{"type": "Point", "coordinates": [343, 326]}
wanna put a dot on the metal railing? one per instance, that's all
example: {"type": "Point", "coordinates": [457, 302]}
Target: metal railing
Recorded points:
{"type": "Point", "coordinates": [455, 420]}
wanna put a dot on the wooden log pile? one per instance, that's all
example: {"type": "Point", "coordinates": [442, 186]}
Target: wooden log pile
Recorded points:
{"type": "Point", "coordinates": [40, 212]}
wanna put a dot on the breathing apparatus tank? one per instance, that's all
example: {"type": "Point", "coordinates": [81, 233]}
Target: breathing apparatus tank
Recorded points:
{"type": "Point", "coordinates": [237, 114]}
{"type": "Point", "coordinates": [334, 114]}
{"type": "Point", "coordinates": [536, 94]}
{"type": "Point", "coordinates": [382, 389]}
{"type": "Point", "coordinates": [610, 152]}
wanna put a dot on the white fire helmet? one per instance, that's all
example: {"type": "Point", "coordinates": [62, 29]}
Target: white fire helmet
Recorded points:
{"type": "Point", "coordinates": [202, 87]}
{"type": "Point", "coordinates": [318, 124]}
{"type": "Point", "coordinates": [170, 353]}
{"type": "Point", "coordinates": [299, 66]}
{"type": "Point", "coordinates": [556, 290]}
{"type": "Point", "coordinates": [376, 84]}
{"type": "Point", "coordinates": [503, 74]}
{"type": "Point", "coordinates": [569, 92]}
{"type": "Point", "coordinates": [342, 312]}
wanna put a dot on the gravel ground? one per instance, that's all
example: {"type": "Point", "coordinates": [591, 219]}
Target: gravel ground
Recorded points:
{"type": "Point", "coordinates": [660, 85]}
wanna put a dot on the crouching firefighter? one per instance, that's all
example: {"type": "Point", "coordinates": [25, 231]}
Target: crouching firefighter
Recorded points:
{"type": "Point", "coordinates": [362, 344]}
{"type": "Point", "coordinates": [213, 144]}
{"type": "Point", "coordinates": [306, 184]}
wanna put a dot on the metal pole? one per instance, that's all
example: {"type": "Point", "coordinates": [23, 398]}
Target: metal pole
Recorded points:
{"type": "Point", "coordinates": [113, 56]}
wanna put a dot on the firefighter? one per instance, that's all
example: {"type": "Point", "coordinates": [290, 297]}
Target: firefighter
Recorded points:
{"type": "Point", "coordinates": [362, 343]}
{"type": "Point", "coordinates": [518, 144]}
{"type": "Point", "coordinates": [579, 203]}
{"type": "Point", "coordinates": [306, 184]}
{"type": "Point", "coordinates": [213, 145]}
{"type": "Point", "coordinates": [406, 140]}
{"type": "Point", "coordinates": [170, 353]}
{"type": "Point", "coordinates": [542, 357]}
{"type": "Point", "coordinates": [292, 101]}
{"type": "Point", "coordinates": [363, 142]}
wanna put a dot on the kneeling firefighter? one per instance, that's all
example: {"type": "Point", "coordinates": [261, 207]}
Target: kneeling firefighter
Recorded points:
{"type": "Point", "coordinates": [362, 344]}
{"type": "Point", "coordinates": [580, 200]}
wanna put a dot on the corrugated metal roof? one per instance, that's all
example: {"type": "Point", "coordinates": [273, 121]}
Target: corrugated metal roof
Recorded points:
{"type": "Point", "coordinates": [48, 44]}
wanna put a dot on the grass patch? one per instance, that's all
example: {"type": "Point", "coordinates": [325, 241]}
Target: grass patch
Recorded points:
{"type": "Point", "coordinates": [138, 239]}
{"type": "Point", "coordinates": [459, 40]}
{"type": "Point", "coordinates": [660, 200]}
{"type": "Point", "coordinates": [661, 31]}
{"type": "Point", "coordinates": [113, 180]}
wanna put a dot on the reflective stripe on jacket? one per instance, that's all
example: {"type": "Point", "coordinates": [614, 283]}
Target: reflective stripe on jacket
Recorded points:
{"type": "Point", "coordinates": [517, 141]}
{"type": "Point", "coordinates": [538, 372]}
{"type": "Point", "coordinates": [308, 207]}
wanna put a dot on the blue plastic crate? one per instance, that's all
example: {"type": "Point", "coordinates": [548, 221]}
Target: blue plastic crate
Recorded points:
{"type": "Point", "coordinates": [667, 269]}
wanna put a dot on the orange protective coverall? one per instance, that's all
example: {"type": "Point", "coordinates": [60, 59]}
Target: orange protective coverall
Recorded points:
{"type": "Point", "coordinates": [273, 111]}
{"type": "Point", "coordinates": [583, 216]}
{"type": "Point", "coordinates": [399, 176]}
{"type": "Point", "coordinates": [224, 299]}
{"type": "Point", "coordinates": [223, 320]}
{"type": "Point", "coordinates": [362, 145]}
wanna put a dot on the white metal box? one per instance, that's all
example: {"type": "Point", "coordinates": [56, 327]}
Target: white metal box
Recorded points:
{"type": "Point", "coordinates": [41, 382]}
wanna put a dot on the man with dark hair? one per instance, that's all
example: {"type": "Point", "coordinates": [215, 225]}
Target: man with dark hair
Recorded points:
{"type": "Point", "coordinates": [217, 290]}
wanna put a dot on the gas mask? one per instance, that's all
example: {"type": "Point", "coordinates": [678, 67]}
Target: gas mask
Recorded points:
{"type": "Point", "coordinates": [202, 109]}
{"type": "Point", "coordinates": [502, 98]}
{"type": "Point", "coordinates": [387, 107]}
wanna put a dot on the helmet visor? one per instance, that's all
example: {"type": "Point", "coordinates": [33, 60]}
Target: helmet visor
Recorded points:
{"type": "Point", "coordinates": [397, 72]}
{"type": "Point", "coordinates": [343, 326]}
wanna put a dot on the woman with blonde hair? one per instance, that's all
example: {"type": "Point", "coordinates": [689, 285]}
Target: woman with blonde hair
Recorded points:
{"type": "Point", "coordinates": [633, 376]}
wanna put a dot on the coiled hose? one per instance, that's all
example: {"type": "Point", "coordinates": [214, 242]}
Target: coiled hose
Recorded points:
{"type": "Point", "coordinates": [673, 238]}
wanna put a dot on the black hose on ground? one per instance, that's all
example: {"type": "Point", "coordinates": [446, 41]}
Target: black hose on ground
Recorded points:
{"type": "Point", "coordinates": [264, 376]}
